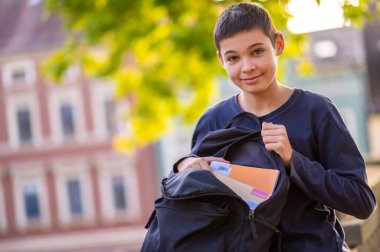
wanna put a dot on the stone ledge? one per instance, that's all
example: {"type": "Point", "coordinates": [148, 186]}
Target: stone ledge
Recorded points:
{"type": "Point", "coordinates": [359, 231]}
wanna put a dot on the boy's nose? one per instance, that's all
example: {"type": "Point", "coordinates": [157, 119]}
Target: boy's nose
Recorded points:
{"type": "Point", "coordinates": [248, 66]}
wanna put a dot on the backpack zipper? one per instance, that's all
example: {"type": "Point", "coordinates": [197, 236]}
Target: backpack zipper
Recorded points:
{"type": "Point", "coordinates": [202, 194]}
{"type": "Point", "coordinates": [251, 217]}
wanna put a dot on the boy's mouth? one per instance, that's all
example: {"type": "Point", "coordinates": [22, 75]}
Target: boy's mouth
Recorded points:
{"type": "Point", "coordinates": [251, 79]}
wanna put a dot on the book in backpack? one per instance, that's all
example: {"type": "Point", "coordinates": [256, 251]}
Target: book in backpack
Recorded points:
{"type": "Point", "coordinates": [198, 212]}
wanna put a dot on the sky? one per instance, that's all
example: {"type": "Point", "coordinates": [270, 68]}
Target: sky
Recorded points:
{"type": "Point", "coordinates": [308, 16]}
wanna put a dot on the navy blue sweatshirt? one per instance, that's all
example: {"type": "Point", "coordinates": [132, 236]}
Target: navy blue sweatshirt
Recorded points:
{"type": "Point", "coordinates": [327, 171]}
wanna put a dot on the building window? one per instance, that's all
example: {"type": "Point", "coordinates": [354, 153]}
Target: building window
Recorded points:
{"type": "Point", "coordinates": [31, 201]}
{"type": "Point", "coordinates": [67, 121]}
{"type": "Point", "coordinates": [18, 74]}
{"type": "Point", "coordinates": [109, 112]}
{"type": "Point", "coordinates": [74, 189]}
{"type": "Point", "coordinates": [119, 193]}
{"type": "Point", "coordinates": [24, 124]}
{"type": "Point", "coordinates": [22, 114]}
{"type": "Point", "coordinates": [74, 197]}
{"type": "Point", "coordinates": [67, 117]}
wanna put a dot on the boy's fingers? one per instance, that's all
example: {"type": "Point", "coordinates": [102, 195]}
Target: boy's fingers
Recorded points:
{"type": "Point", "coordinates": [276, 147]}
{"type": "Point", "coordinates": [220, 159]}
{"type": "Point", "coordinates": [204, 165]}
{"type": "Point", "coordinates": [202, 162]}
{"type": "Point", "coordinates": [267, 125]}
{"type": "Point", "coordinates": [272, 132]}
{"type": "Point", "coordinates": [272, 139]}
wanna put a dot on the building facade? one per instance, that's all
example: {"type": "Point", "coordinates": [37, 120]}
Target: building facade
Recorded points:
{"type": "Point", "coordinates": [62, 186]}
{"type": "Point", "coordinates": [371, 36]}
{"type": "Point", "coordinates": [340, 73]}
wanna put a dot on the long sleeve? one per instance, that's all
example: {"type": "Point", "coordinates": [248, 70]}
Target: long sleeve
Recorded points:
{"type": "Point", "coordinates": [338, 180]}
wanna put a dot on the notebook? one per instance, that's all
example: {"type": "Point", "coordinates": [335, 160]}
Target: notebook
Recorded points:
{"type": "Point", "coordinates": [253, 184]}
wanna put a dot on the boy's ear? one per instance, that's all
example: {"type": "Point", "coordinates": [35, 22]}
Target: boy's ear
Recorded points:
{"type": "Point", "coordinates": [279, 44]}
{"type": "Point", "coordinates": [220, 58]}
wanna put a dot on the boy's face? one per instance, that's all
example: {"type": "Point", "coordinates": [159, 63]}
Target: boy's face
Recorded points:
{"type": "Point", "coordinates": [250, 60]}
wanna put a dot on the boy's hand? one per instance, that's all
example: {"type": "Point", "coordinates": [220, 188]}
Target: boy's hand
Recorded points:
{"type": "Point", "coordinates": [276, 139]}
{"type": "Point", "coordinates": [201, 162]}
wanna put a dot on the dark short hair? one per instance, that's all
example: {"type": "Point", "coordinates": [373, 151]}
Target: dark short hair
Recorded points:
{"type": "Point", "coordinates": [243, 17]}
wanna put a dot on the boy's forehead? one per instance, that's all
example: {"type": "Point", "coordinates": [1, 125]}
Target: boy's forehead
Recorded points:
{"type": "Point", "coordinates": [243, 40]}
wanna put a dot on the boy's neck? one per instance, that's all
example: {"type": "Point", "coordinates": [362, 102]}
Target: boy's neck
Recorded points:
{"type": "Point", "coordinates": [266, 102]}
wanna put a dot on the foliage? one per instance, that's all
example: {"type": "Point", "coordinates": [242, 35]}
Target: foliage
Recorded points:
{"type": "Point", "coordinates": [359, 12]}
{"type": "Point", "coordinates": [158, 53]}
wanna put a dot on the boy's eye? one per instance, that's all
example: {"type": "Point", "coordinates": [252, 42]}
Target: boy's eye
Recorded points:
{"type": "Point", "coordinates": [257, 51]}
{"type": "Point", "coordinates": [232, 58]}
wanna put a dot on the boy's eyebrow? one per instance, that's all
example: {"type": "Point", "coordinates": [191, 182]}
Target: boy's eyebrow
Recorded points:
{"type": "Point", "coordinates": [253, 45]}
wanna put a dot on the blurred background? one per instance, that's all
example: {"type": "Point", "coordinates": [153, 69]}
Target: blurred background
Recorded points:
{"type": "Point", "coordinates": [98, 99]}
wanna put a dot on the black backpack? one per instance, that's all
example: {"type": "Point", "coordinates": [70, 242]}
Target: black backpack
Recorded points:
{"type": "Point", "coordinates": [197, 212]}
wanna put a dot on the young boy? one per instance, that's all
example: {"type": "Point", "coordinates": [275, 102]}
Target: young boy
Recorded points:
{"type": "Point", "coordinates": [325, 168]}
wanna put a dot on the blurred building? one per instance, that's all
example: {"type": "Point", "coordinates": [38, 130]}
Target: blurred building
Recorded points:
{"type": "Point", "coordinates": [62, 186]}
{"type": "Point", "coordinates": [371, 34]}
{"type": "Point", "coordinates": [339, 61]}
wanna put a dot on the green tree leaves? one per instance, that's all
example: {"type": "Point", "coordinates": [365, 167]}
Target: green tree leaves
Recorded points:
{"type": "Point", "coordinates": [159, 54]}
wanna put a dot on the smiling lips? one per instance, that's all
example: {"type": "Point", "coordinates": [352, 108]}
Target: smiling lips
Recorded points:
{"type": "Point", "coordinates": [251, 80]}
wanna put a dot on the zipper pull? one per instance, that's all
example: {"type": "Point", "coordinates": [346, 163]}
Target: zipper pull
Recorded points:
{"type": "Point", "coordinates": [251, 217]}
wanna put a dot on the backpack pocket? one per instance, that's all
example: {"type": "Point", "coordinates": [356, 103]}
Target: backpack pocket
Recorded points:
{"type": "Point", "coordinates": [186, 225]}
{"type": "Point", "coordinates": [194, 215]}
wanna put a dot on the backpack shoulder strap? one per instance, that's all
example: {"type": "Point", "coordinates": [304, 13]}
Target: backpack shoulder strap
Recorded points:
{"type": "Point", "coordinates": [151, 218]}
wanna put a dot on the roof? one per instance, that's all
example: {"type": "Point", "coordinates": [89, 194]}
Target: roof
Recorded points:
{"type": "Point", "coordinates": [24, 26]}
